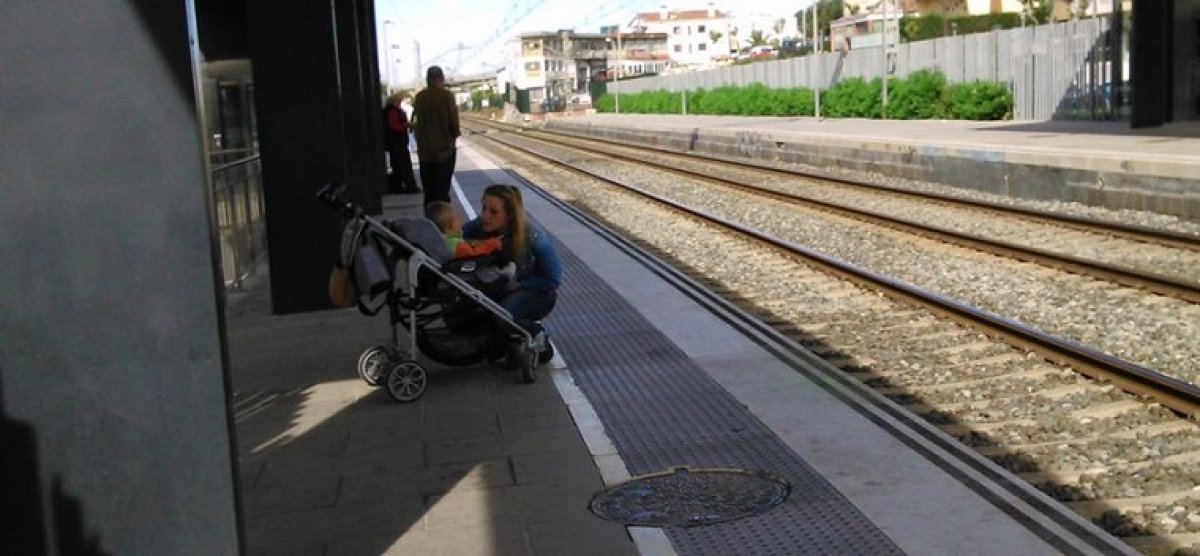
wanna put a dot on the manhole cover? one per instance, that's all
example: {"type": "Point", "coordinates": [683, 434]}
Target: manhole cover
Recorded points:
{"type": "Point", "coordinates": [686, 497]}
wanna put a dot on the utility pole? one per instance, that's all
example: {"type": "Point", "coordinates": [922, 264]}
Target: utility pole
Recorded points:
{"type": "Point", "coordinates": [417, 66]}
{"type": "Point", "coordinates": [620, 58]}
{"type": "Point", "coordinates": [387, 57]}
{"type": "Point", "coordinates": [816, 49]}
{"type": "Point", "coordinates": [883, 49]}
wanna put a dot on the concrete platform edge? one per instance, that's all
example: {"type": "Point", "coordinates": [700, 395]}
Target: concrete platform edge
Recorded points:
{"type": "Point", "coordinates": [1161, 183]}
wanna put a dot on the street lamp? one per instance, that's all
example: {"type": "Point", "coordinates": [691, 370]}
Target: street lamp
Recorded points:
{"type": "Point", "coordinates": [387, 54]}
{"type": "Point", "coordinates": [616, 71]}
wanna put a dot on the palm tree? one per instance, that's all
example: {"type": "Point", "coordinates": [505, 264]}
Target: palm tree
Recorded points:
{"type": "Point", "coordinates": [756, 39]}
{"type": "Point", "coordinates": [1038, 10]}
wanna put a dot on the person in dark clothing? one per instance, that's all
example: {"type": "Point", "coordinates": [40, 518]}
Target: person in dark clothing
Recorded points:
{"type": "Point", "coordinates": [435, 125]}
{"type": "Point", "coordinates": [395, 125]}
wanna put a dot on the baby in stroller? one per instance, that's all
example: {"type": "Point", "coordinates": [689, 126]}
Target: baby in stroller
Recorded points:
{"type": "Point", "coordinates": [442, 302]}
{"type": "Point", "coordinates": [442, 214]}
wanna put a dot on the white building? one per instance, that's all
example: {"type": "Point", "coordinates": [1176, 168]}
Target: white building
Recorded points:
{"type": "Point", "coordinates": [694, 37]}
{"type": "Point", "coordinates": [558, 65]}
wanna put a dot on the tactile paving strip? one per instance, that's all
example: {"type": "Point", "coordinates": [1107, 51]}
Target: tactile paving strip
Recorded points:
{"type": "Point", "coordinates": [662, 411]}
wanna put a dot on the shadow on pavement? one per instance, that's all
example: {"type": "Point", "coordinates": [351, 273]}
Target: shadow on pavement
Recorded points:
{"type": "Point", "coordinates": [329, 465]}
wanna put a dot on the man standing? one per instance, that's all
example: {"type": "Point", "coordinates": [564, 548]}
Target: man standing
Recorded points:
{"type": "Point", "coordinates": [435, 125]}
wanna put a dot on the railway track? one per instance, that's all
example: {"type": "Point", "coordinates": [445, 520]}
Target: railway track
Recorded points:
{"type": "Point", "coordinates": [1111, 455]}
{"type": "Point", "coordinates": [1129, 255]}
{"type": "Point", "coordinates": [1166, 328]}
{"type": "Point", "coordinates": [1142, 233]}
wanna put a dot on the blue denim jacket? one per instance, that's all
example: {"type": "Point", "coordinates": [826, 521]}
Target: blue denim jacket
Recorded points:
{"type": "Point", "coordinates": [540, 268]}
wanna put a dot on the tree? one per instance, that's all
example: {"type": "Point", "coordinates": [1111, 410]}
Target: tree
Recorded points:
{"type": "Point", "coordinates": [1081, 8]}
{"type": "Point", "coordinates": [714, 36]}
{"type": "Point", "coordinates": [756, 39]}
{"type": "Point", "coordinates": [1038, 11]}
{"type": "Point", "coordinates": [827, 11]}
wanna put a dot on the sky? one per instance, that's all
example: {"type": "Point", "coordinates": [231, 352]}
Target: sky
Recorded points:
{"type": "Point", "coordinates": [466, 36]}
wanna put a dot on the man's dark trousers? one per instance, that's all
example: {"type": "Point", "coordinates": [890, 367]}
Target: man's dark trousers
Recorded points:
{"type": "Point", "coordinates": [435, 177]}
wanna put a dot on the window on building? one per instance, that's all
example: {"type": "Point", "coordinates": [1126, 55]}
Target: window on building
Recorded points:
{"type": "Point", "coordinates": [676, 30]}
{"type": "Point", "coordinates": [702, 47]}
{"type": "Point", "coordinates": [679, 48]}
{"type": "Point", "coordinates": [700, 28]}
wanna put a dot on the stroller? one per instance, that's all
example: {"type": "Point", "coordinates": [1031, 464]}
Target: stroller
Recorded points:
{"type": "Point", "coordinates": [444, 304]}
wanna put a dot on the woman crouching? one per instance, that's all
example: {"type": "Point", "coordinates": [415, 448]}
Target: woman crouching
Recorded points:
{"type": "Point", "coordinates": [539, 272]}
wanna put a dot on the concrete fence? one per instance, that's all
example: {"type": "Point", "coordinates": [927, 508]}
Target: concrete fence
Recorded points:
{"type": "Point", "coordinates": [1059, 70]}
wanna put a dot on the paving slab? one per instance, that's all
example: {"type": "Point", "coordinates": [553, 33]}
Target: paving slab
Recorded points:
{"type": "Point", "coordinates": [329, 465]}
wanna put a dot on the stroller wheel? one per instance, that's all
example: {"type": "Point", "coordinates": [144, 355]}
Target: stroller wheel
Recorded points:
{"type": "Point", "coordinates": [372, 365]}
{"type": "Point", "coordinates": [406, 381]}
{"type": "Point", "coordinates": [546, 354]}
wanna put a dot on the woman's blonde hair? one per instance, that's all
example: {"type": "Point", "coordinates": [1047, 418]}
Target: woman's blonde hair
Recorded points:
{"type": "Point", "coordinates": [514, 207]}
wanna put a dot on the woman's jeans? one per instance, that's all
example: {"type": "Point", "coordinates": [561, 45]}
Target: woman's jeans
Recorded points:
{"type": "Point", "coordinates": [528, 306]}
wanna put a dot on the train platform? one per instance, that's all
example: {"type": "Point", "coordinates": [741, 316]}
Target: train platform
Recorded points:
{"type": "Point", "coordinates": [651, 376]}
{"type": "Point", "coordinates": [1097, 163]}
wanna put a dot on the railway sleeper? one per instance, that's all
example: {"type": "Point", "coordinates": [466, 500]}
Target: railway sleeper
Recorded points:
{"type": "Point", "coordinates": [1147, 431]}
{"type": "Point", "coordinates": [1070, 477]}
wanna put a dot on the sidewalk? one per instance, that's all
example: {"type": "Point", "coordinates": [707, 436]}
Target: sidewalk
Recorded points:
{"type": "Point", "coordinates": [480, 465]}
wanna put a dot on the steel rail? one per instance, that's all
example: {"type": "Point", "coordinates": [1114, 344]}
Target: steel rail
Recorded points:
{"type": "Point", "coordinates": [1173, 393]}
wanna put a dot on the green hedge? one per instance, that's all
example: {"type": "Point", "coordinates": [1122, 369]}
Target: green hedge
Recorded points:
{"type": "Point", "coordinates": [922, 95]}
{"type": "Point", "coordinates": [919, 96]}
{"type": "Point", "coordinates": [934, 26]}
{"type": "Point", "coordinates": [495, 100]}
{"type": "Point", "coordinates": [853, 98]}
{"type": "Point", "coordinates": [979, 100]}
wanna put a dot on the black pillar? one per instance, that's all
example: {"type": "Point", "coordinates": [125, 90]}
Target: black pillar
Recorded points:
{"type": "Point", "coordinates": [115, 430]}
{"type": "Point", "coordinates": [318, 105]}
{"type": "Point", "coordinates": [1151, 62]}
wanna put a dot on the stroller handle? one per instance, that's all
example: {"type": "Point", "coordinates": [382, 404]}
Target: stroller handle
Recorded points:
{"type": "Point", "coordinates": [334, 195]}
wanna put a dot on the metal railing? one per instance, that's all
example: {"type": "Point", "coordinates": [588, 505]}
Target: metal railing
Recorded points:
{"type": "Point", "coordinates": [241, 225]}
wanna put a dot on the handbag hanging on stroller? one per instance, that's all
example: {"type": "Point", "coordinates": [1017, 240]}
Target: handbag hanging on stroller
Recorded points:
{"type": "Point", "coordinates": [404, 264]}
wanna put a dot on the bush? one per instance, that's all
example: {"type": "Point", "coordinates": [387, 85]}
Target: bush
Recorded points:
{"type": "Point", "coordinates": [604, 103]}
{"type": "Point", "coordinates": [917, 97]}
{"type": "Point", "coordinates": [979, 100]}
{"type": "Point", "coordinates": [914, 29]}
{"type": "Point", "coordinates": [923, 94]}
{"type": "Point", "coordinates": [722, 100]}
{"type": "Point", "coordinates": [853, 98]}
